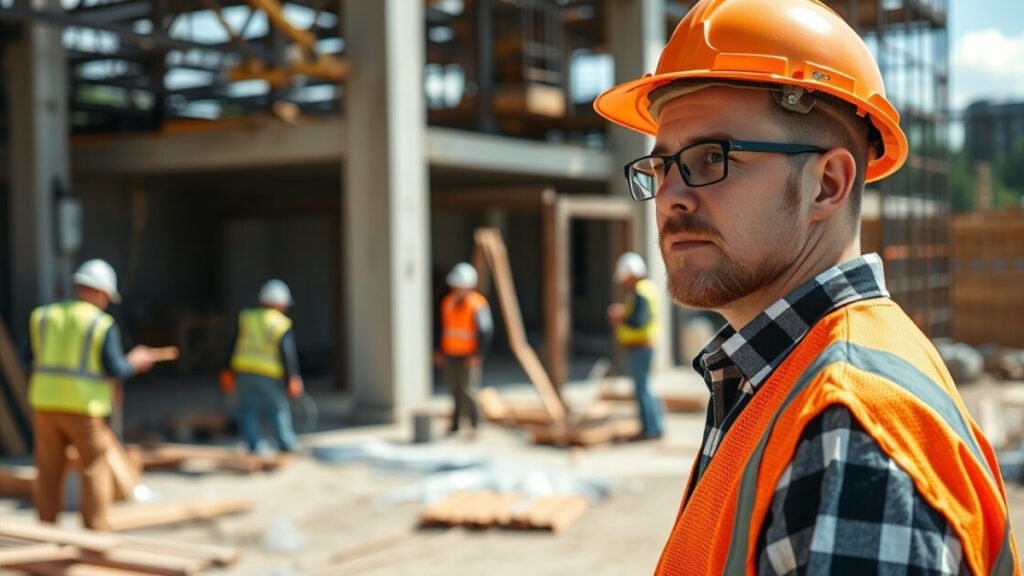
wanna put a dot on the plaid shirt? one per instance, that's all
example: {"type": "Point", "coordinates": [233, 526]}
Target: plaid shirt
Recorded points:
{"type": "Point", "coordinates": [852, 509]}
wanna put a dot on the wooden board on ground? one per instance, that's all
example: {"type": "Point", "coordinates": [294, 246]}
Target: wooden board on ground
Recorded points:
{"type": "Point", "coordinates": [586, 434]}
{"type": "Point", "coordinates": [486, 509]}
{"type": "Point", "coordinates": [673, 402]}
{"type": "Point", "coordinates": [164, 456]}
{"type": "Point", "coordinates": [135, 516]}
{"type": "Point", "coordinates": [16, 482]}
{"type": "Point", "coordinates": [40, 546]}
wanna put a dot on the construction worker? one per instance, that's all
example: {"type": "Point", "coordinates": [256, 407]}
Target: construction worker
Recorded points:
{"type": "Point", "coordinates": [466, 332]}
{"type": "Point", "coordinates": [836, 441]}
{"type": "Point", "coordinates": [636, 328]}
{"type": "Point", "coordinates": [75, 353]}
{"type": "Point", "coordinates": [263, 367]}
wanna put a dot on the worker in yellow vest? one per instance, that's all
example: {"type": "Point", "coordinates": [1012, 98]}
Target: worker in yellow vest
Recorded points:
{"type": "Point", "coordinates": [75, 353]}
{"type": "Point", "coordinates": [636, 329]}
{"type": "Point", "coordinates": [466, 331]}
{"type": "Point", "coordinates": [263, 368]}
{"type": "Point", "coordinates": [836, 441]}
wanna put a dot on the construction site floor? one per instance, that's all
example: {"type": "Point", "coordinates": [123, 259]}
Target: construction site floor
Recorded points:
{"type": "Point", "coordinates": [314, 518]}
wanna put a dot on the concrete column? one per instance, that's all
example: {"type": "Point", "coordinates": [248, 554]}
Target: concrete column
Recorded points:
{"type": "Point", "coordinates": [38, 167]}
{"type": "Point", "coordinates": [636, 33]}
{"type": "Point", "coordinates": [386, 210]}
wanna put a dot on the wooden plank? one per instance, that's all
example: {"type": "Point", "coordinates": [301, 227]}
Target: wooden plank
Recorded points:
{"type": "Point", "coordinates": [676, 402]}
{"type": "Point", "coordinates": [169, 455]}
{"type": "Point", "coordinates": [146, 562]}
{"type": "Point", "coordinates": [31, 553]}
{"type": "Point", "coordinates": [101, 542]}
{"type": "Point", "coordinates": [67, 568]}
{"type": "Point", "coordinates": [11, 442]}
{"type": "Point", "coordinates": [86, 540]}
{"type": "Point", "coordinates": [497, 257]}
{"type": "Point", "coordinates": [17, 481]}
{"type": "Point", "coordinates": [13, 372]}
{"type": "Point", "coordinates": [491, 405]}
{"type": "Point", "coordinates": [440, 512]}
{"type": "Point", "coordinates": [137, 516]}
{"type": "Point", "coordinates": [212, 553]}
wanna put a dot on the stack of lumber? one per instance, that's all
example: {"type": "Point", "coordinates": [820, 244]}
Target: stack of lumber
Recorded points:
{"type": "Point", "coordinates": [595, 426]}
{"type": "Point", "coordinates": [489, 509]}
{"type": "Point", "coordinates": [36, 549]}
{"type": "Point", "coordinates": [672, 402]}
{"type": "Point", "coordinates": [172, 456]}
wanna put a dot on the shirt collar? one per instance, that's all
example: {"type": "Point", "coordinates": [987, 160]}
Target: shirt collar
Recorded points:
{"type": "Point", "coordinates": [760, 346]}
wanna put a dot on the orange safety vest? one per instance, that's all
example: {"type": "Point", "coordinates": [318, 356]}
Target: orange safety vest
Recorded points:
{"type": "Point", "coordinates": [870, 357]}
{"type": "Point", "coordinates": [458, 323]}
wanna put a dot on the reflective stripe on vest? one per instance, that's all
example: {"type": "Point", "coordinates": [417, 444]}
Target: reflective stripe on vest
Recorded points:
{"type": "Point", "coordinates": [458, 324]}
{"type": "Point", "coordinates": [258, 347]}
{"type": "Point", "coordinates": [647, 334]}
{"type": "Point", "coordinates": [67, 374]}
{"type": "Point", "coordinates": [843, 360]}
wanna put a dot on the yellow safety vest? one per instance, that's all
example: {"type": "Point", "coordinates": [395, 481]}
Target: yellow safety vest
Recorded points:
{"type": "Point", "coordinates": [647, 334]}
{"type": "Point", "coordinates": [258, 348]}
{"type": "Point", "coordinates": [67, 374]}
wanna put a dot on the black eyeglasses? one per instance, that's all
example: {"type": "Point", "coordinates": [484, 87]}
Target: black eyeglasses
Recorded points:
{"type": "Point", "coordinates": [700, 164]}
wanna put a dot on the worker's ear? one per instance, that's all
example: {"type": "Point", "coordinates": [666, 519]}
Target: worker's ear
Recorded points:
{"type": "Point", "coordinates": [831, 176]}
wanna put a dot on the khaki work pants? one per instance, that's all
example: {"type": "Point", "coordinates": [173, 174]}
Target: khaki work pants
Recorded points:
{"type": "Point", "coordinates": [54, 432]}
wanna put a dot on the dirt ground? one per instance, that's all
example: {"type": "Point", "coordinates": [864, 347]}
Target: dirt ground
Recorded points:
{"type": "Point", "coordinates": [321, 512]}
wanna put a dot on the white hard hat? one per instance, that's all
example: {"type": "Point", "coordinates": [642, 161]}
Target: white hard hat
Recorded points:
{"type": "Point", "coordinates": [630, 264]}
{"type": "Point", "coordinates": [463, 275]}
{"type": "Point", "coordinates": [275, 292]}
{"type": "Point", "coordinates": [98, 274]}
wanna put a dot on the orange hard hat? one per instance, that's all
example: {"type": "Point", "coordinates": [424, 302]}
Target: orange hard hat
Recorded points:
{"type": "Point", "coordinates": [800, 43]}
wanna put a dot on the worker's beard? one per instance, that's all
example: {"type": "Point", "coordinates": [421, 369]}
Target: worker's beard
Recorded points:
{"type": "Point", "coordinates": [729, 279]}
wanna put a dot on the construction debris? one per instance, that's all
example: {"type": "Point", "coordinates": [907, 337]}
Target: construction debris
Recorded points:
{"type": "Point", "coordinates": [136, 516]}
{"type": "Point", "coordinates": [507, 478]}
{"type": "Point", "coordinates": [490, 509]}
{"type": "Point", "coordinates": [597, 425]}
{"type": "Point", "coordinates": [44, 550]}
{"type": "Point", "coordinates": [399, 458]}
{"type": "Point", "coordinates": [176, 456]}
{"type": "Point", "coordinates": [964, 362]}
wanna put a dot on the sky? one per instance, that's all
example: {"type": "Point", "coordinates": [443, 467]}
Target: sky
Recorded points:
{"type": "Point", "coordinates": [986, 50]}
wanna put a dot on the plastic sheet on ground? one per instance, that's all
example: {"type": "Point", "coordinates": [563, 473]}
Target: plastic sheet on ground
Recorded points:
{"type": "Point", "coordinates": [397, 458]}
{"type": "Point", "coordinates": [528, 481]}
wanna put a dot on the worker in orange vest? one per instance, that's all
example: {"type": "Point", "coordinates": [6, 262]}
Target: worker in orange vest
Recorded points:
{"type": "Point", "coordinates": [836, 441]}
{"type": "Point", "coordinates": [466, 332]}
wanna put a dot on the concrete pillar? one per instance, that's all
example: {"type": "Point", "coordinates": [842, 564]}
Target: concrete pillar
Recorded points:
{"type": "Point", "coordinates": [386, 211]}
{"type": "Point", "coordinates": [636, 35]}
{"type": "Point", "coordinates": [37, 113]}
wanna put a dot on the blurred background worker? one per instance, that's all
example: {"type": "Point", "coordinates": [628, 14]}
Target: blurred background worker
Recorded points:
{"type": "Point", "coordinates": [75, 353]}
{"type": "Point", "coordinates": [636, 326]}
{"type": "Point", "coordinates": [263, 365]}
{"type": "Point", "coordinates": [466, 332]}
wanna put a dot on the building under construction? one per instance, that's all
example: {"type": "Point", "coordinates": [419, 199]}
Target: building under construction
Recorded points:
{"type": "Point", "coordinates": [352, 148]}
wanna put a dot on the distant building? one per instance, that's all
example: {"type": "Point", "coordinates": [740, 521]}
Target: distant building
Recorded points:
{"type": "Point", "coordinates": [992, 129]}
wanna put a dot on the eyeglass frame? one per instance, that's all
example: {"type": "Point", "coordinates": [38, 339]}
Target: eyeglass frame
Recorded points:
{"type": "Point", "coordinates": [728, 146]}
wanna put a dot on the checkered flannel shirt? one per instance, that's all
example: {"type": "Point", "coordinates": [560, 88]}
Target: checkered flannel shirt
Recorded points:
{"type": "Point", "coordinates": [842, 505]}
